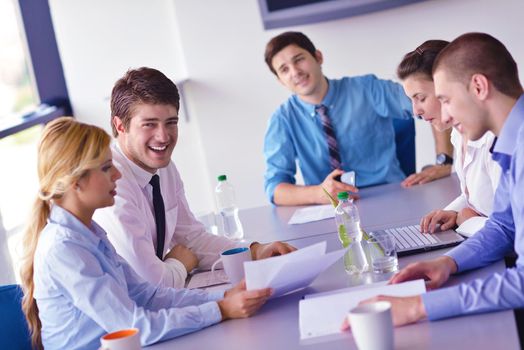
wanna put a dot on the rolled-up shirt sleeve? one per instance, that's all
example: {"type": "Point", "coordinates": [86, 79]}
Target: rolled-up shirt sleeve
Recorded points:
{"type": "Point", "coordinates": [458, 203]}
{"type": "Point", "coordinates": [280, 156]}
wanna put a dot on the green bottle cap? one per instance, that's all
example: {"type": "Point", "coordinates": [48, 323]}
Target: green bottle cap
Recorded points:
{"type": "Point", "coordinates": [342, 195]}
{"type": "Point", "coordinates": [222, 178]}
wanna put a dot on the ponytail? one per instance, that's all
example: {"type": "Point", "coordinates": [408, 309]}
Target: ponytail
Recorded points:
{"type": "Point", "coordinates": [41, 211]}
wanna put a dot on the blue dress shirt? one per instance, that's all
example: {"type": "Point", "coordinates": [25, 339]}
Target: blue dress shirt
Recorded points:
{"type": "Point", "coordinates": [83, 290]}
{"type": "Point", "coordinates": [504, 231]}
{"type": "Point", "coordinates": [360, 109]}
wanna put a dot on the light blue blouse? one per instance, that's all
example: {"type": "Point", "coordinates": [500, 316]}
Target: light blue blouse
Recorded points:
{"type": "Point", "coordinates": [84, 289]}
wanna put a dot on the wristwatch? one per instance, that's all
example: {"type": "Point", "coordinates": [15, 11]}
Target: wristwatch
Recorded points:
{"type": "Point", "coordinates": [443, 159]}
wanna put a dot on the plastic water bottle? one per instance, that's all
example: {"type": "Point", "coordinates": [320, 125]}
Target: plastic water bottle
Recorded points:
{"type": "Point", "coordinates": [350, 235]}
{"type": "Point", "coordinates": [226, 205]}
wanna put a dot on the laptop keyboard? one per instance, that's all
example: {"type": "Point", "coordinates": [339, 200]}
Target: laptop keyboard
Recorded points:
{"type": "Point", "coordinates": [408, 237]}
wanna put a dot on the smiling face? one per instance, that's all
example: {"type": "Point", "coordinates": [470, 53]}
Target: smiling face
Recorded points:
{"type": "Point", "coordinates": [460, 106]}
{"type": "Point", "coordinates": [421, 91]}
{"type": "Point", "coordinates": [97, 188]}
{"type": "Point", "coordinates": [301, 72]}
{"type": "Point", "coordinates": [151, 136]}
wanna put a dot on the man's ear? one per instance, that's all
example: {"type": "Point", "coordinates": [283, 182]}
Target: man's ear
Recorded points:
{"type": "Point", "coordinates": [480, 86]}
{"type": "Point", "coordinates": [319, 57]}
{"type": "Point", "coordinates": [118, 124]}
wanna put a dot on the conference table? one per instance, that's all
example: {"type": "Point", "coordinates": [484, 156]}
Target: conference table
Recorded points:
{"type": "Point", "coordinates": [276, 324]}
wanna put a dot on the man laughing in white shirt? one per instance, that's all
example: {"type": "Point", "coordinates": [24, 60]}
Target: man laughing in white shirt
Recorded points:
{"type": "Point", "coordinates": [144, 110]}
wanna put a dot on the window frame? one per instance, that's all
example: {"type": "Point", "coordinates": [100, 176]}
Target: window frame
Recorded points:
{"type": "Point", "coordinates": [45, 63]}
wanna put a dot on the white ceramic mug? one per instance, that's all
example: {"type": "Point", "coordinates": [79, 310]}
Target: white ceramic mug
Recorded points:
{"type": "Point", "coordinates": [233, 262]}
{"type": "Point", "coordinates": [372, 326]}
{"type": "Point", "coordinates": [125, 339]}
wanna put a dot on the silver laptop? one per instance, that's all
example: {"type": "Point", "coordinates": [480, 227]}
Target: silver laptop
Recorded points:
{"type": "Point", "coordinates": [409, 240]}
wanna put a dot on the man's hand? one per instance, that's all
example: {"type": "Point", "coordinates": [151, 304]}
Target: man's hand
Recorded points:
{"type": "Point", "coordinates": [333, 187]}
{"type": "Point", "coordinates": [465, 214]}
{"type": "Point", "coordinates": [262, 251]}
{"type": "Point", "coordinates": [240, 303]}
{"type": "Point", "coordinates": [184, 255]}
{"type": "Point", "coordinates": [404, 310]}
{"type": "Point", "coordinates": [429, 174]}
{"type": "Point", "coordinates": [446, 218]}
{"type": "Point", "coordinates": [436, 272]}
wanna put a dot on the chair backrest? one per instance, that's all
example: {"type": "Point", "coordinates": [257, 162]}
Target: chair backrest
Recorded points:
{"type": "Point", "coordinates": [14, 333]}
{"type": "Point", "coordinates": [405, 142]}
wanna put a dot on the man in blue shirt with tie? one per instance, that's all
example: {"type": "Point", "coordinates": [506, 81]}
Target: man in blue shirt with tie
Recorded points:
{"type": "Point", "coordinates": [329, 126]}
{"type": "Point", "coordinates": [477, 83]}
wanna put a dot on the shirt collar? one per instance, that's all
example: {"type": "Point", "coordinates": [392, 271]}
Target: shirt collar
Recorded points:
{"type": "Point", "coordinates": [328, 101]}
{"type": "Point", "coordinates": [507, 139]}
{"type": "Point", "coordinates": [480, 142]}
{"type": "Point", "coordinates": [504, 146]}
{"type": "Point", "coordinates": [63, 217]}
{"type": "Point", "coordinates": [142, 176]}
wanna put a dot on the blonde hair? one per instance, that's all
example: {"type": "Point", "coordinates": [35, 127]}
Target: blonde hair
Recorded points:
{"type": "Point", "coordinates": [67, 151]}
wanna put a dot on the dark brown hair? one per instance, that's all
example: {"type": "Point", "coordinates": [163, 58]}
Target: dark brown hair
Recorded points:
{"type": "Point", "coordinates": [139, 86]}
{"type": "Point", "coordinates": [283, 40]}
{"type": "Point", "coordinates": [480, 53]}
{"type": "Point", "coordinates": [420, 60]}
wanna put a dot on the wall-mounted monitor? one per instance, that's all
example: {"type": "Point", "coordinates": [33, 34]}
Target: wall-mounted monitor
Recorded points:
{"type": "Point", "coordinates": [285, 13]}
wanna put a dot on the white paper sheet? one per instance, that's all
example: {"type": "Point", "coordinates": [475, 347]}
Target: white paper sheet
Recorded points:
{"type": "Point", "coordinates": [290, 272]}
{"type": "Point", "coordinates": [313, 213]}
{"type": "Point", "coordinates": [322, 314]}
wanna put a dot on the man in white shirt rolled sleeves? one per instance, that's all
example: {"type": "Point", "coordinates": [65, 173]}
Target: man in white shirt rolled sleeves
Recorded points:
{"type": "Point", "coordinates": [144, 110]}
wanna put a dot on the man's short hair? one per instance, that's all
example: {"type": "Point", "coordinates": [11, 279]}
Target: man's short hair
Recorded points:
{"type": "Point", "coordinates": [480, 53]}
{"type": "Point", "coordinates": [283, 40]}
{"type": "Point", "coordinates": [141, 86]}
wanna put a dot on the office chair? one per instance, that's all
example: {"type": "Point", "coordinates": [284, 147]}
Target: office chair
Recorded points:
{"type": "Point", "coordinates": [14, 333]}
{"type": "Point", "coordinates": [405, 142]}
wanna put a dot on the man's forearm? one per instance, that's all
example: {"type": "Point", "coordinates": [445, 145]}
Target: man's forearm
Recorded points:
{"type": "Point", "coordinates": [289, 194]}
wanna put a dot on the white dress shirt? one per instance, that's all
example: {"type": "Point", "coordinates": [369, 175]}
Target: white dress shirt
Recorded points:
{"type": "Point", "coordinates": [83, 290]}
{"type": "Point", "coordinates": [130, 224]}
{"type": "Point", "coordinates": [478, 174]}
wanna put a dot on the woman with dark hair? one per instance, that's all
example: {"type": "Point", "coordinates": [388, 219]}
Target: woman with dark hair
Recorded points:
{"type": "Point", "coordinates": [477, 172]}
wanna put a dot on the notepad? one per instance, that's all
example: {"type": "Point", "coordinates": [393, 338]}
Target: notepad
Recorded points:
{"type": "Point", "coordinates": [322, 314]}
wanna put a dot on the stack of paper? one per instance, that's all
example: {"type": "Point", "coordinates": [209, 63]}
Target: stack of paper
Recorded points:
{"type": "Point", "coordinates": [207, 279]}
{"type": "Point", "coordinates": [290, 272]}
{"type": "Point", "coordinates": [322, 314]}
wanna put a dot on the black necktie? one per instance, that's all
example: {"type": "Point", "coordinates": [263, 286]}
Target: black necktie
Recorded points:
{"type": "Point", "coordinates": [160, 216]}
{"type": "Point", "coordinates": [334, 156]}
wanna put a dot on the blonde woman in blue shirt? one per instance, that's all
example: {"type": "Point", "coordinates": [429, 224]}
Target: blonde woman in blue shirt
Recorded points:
{"type": "Point", "coordinates": [76, 287]}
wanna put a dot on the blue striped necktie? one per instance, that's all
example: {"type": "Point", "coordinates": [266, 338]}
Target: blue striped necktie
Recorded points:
{"type": "Point", "coordinates": [334, 156]}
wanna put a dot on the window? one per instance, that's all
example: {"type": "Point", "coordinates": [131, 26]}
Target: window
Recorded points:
{"type": "Point", "coordinates": [32, 92]}
{"type": "Point", "coordinates": [16, 90]}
